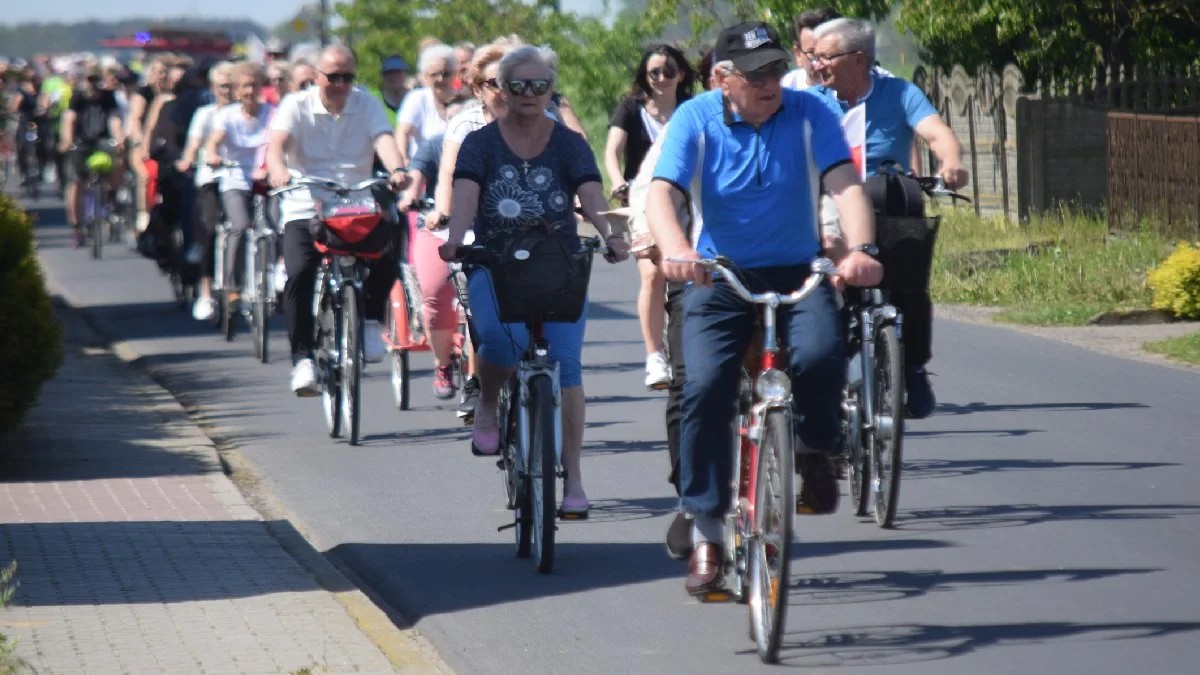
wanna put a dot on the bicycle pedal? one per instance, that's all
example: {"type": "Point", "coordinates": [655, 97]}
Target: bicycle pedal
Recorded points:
{"type": "Point", "coordinates": [507, 527]}
{"type": "Point", "coordinates": [572, 515]}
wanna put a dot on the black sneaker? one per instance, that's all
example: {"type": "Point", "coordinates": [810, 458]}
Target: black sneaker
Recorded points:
{"type": "Point", "coordinates": [819, 487]}
{"type": "Point", "coordinates": [466, 407]}
{"type": "Point", "coordinates": [679, 537]}
{"type": "Point", "coordinates": [921, 401]}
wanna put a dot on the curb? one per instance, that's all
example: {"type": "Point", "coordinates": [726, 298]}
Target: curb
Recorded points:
{"type": "Point", "coordinates": [405, 648]}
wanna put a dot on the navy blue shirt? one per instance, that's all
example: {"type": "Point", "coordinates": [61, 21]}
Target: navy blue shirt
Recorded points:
{"type": "Point", "coordinates": [517, 195]}
{"type": "Point", "coordinates": [759, 187]}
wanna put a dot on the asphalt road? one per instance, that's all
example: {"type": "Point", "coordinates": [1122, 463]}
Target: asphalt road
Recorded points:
{"type": "Point", "coordinates": [1049, 514]}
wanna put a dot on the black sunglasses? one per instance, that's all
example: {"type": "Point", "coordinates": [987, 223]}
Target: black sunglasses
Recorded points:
{"type": "Point", "coordinates": [760, 76]}
{"type": "Point", "coordinates": [520, 87]}
{"type": "Point", "coordinates": [665, 73]}
{"type": "Point", "coordinates": [491, 83]}
{"type": "Point", "coordinates": [340, 78]}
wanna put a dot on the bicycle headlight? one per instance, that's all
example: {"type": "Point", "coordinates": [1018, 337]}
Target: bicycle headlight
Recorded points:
{"type": "Point", "coordinates": [773, 385]}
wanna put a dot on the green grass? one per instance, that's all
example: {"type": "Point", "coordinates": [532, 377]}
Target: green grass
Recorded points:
{"type": "Point", "coordinates": [1183, 348]}
{"type": "Point", "coordinates": [1059, 269]}
{"type": "Point", "coordinates": [10, 663]}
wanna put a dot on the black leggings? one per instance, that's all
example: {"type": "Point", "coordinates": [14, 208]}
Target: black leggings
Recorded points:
{"type": "Point", "coordinates": [208, 214]}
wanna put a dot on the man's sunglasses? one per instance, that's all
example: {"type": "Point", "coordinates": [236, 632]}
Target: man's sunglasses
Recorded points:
{"type": "Point", "coordinates": [759, 77]}
{"type": "Point", "coordinates": [817, 59]}
{"type": "Point", "coordinates": [340, 78]}
{"type": "Point", "coordinates": [665, 73]}
{"type": "Point", "coordinates": [521, 87]}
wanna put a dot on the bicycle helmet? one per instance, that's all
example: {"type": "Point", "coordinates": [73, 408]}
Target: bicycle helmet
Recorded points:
{"type": "Point", "coordinates": [99, 162]}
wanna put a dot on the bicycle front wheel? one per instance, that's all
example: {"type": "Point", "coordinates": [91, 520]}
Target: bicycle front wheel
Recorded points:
{"type": "Point", "coordinates": [329, 327]}
{"type": "Point", "coordinates": [352, 362]}
{"type": "Point", "coordinates": [543, 465]}
{"type": "Point", "coordinates": [95, 231]}
{"type": "Point", "coordinates": [858, 468]}
{"type": "Point", "coordinates": [770, 554]}
{"type": "Point", "coordinates": [888, 437]}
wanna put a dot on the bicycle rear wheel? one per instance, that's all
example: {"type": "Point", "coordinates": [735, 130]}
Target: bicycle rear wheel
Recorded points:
{"type": "Point", "coordinates": [260, 315]}
{"type": "Point", "coordinates": [543, 466]}
{"type": "Point", "coordinates": [401, 371]}
{"type": "Point", "coordinates": [770, 555]}
{"type": "Point", "coordinates": [858, 468]}
{"type": "Point", "coordinates": [352, 362]}
{"type": "Point", "coordinates": [888, 437]}
{"type": "Point", "coordinates": [95, 222]}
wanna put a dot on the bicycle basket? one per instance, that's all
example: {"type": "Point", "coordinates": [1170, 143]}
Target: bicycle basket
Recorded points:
{"type": "Point", "coordinates": [352, 225]}
{"type": "Point", "coordinates": [540, 276]}
{"type": "Point", "coordinates": [906, 251]}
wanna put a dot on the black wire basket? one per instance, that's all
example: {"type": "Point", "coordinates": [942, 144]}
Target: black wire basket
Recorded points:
{"type": "Point", "coordinates": [540, 276]}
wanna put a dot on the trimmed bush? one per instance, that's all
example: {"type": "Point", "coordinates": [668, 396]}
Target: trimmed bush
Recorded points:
{"type": "Point", "coordinates": [1176, 282]}
{"type": "Point", "coordinates": [30, 339]}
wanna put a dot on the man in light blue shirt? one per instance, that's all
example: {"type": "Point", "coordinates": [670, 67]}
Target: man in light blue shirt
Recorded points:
{"type": "Point", "coordinates": [895, 110]}
{"type": "Point", "coordinates": [753, 155]}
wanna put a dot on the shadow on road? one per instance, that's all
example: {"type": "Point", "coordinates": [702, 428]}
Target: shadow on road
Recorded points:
{"type": "Point", "coordinates": [621, 510]}
{"type": "Point", "coordinates": [972, 433]}
{"type": "Point", "coordinates": [1016, 515]}
{"type": "Point", "coordinates": [471, 576]}
{"type": "Point", "coordinates": [614, 447]}
{"type": "Point", "coordinates": [916, 643]}
{"type": "Point", "coordinates": [954, 468]}
{"type": "Point", "coordinates": [839, 588]}
{"type": "Point", "coordinates": [980, 406]}
{"type": "Point", "coordinates": [821, 549]}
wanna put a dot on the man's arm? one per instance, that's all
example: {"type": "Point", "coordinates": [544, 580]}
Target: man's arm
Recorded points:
{"type": "Point", "coordinates": [858, 226]}
{"type": "Point", "coordinates": [945, 146]}
{"type": "Point", "coordinates": [663, 202]}
{"type": "Point", "coordinates": [137, 111]}
{"type": "Point", "coordinates": [277, 170]}
{"type": "Point", "coordinates": [68, 130]}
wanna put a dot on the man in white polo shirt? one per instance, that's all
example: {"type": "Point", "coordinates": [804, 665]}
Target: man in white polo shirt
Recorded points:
{"type": "Point", "coordinates": [332, 130]}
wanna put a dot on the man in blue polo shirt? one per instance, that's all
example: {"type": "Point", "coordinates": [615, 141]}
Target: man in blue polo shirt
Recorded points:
{"type": "Point", "coordinates": [895, 110]}
{"type": "Point", "coordinates": [755, 153]}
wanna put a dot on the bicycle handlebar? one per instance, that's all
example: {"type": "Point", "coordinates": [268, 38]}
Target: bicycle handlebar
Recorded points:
{"type": "Point", "coordinates": [328, 184]}
{"type": "Point", "coordinates": [821, 269]}
{"type": "Point", "coordinates": [935, 186]}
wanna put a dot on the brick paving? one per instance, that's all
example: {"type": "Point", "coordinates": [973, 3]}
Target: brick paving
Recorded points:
{"type": "Point", "coordinates": [137, 554]}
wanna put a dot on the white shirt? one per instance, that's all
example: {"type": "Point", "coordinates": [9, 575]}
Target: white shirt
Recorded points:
{"type": "Point", "coordinates": [200, 129]}
{"type": "Point", "coordinates": [420, 109]}
{"type": "Point", "coordinates": [245, 143]}
{"type": "Point", "coordinates": [795, 79]}
{"type": "Point", "coordinates": [320, 144]}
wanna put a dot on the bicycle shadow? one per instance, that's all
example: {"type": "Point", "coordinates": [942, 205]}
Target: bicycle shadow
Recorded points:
{"type": "Point", "coordinates": [1017, 515]}
{"type": "Point", "coordinates": [918, 469]}
{"type": "Point", "coordinates": [623, 510]}
{"type": "Point", "coordinates": [841, 588]}
{"type": "Point", "coordinates": [954, 409]}
{"type": "Point", "coordinates": [916, 643]}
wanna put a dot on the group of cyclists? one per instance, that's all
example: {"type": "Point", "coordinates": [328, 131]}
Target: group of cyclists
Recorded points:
{"type": "Point", "coordinates": [739, 169]}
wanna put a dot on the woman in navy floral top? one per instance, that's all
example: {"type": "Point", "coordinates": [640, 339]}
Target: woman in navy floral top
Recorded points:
{"type": "Point", "coordinates": [518, 173]}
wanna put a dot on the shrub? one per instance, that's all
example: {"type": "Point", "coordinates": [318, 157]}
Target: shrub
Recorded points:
{"type": "Point", "coordinates": [30, 339]}
{"type": "Point", "coordinates": [1176, 282]}
{"type": "Point", "coordinates": [10, 663]}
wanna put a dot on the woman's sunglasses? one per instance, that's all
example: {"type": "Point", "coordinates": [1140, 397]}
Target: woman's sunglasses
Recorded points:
{"type": "Point", "coordinates": [666, 73]}
{"type": "Point", "coordinates": [340, 78]}
{"type": "Point", "coordinates": [491, 83]}
{"type": "Point", "coordinates": [520, 87]}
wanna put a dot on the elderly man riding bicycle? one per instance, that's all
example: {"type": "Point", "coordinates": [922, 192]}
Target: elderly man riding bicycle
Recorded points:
{"type": "Point", "coordinates": [756, 152]}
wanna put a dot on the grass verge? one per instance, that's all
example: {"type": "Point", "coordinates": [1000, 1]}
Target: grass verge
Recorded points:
{"type": "Point", "coordinates": [10, 663]}
{"type": "Point", "coordinates": [1183, 348]}
{"type": "Point", "coordinates": [1057, 270]}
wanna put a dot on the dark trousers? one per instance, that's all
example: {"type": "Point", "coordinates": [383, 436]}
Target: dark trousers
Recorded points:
{"type": "Point", "coordinates": [678, 376]}
{"type": "Point", "coordinates": [208, 214]}
{"type": "Point", "coordinates": [301, 261]}
{"type": "Point", "coordinates": [901, 196]}
{"type": "Point", "coordinates": [717, 330]}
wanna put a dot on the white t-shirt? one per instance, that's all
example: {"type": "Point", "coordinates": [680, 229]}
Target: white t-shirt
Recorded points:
{"type": "Point", "coordinates": [320, 144]}
{"type": "Point", "coordinates": [795, 79]}
{"type": "Point", "coordinates": [420, 109]}
{"type": "Point", "coordinates": [245, 143]}
{"type": "Point", "coordinates": [199, 130]}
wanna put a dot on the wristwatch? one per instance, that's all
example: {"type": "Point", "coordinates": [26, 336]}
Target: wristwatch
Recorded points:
{"type": "Point", "coordinates": [399, 169]}
{"type": "Point", "coordinates": [870, 249]}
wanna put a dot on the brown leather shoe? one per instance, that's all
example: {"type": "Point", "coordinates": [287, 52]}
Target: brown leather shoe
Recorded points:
{"type": "Point", "coordinates": [705, 570]}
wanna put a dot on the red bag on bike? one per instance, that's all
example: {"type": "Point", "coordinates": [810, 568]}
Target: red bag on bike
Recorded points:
{"type": "Point", "coordinates": [351, 225]}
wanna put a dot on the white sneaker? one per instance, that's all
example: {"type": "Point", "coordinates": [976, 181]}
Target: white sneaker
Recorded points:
{"type": "Point", "coordinates": [304, 378]}
{"type": "Point", "coordinates": [143, 221]}
{"type": "Point", "coordinates": [374, 348]}
{"type": "Point", "coordinates": [204, 309]}
{"type": "Point", "coordinates": [194, 254]}
{"type": "Point", "coordinates": [658, 372]}
{"type": "Point", "coordinates": [280, 277]}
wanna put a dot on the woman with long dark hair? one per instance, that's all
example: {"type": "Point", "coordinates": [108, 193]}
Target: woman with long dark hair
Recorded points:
{"type": "Point", "coordinates": [664, 79]}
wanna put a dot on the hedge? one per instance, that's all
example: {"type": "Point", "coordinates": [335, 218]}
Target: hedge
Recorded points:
{"type": "Point", "coordinates": [30, 338]}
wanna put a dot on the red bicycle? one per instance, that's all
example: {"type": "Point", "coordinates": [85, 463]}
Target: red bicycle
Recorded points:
{"type": "Point", "coordinates": [758, 527]}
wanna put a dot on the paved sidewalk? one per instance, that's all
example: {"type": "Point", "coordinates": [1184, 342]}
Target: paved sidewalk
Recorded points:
{"type": "Point", "coordinates": [136, 554]}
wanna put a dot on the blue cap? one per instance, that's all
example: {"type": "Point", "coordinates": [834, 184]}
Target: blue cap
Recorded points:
{"type": "Point", "coordinates": [394, 63]}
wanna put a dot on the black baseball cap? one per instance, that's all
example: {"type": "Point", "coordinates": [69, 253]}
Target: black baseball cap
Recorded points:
{"type": "Point", "coordinates": [750, 46]}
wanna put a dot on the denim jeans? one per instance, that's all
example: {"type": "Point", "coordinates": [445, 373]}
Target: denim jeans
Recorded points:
{"type": "Point", "coordinates": [716, 334]}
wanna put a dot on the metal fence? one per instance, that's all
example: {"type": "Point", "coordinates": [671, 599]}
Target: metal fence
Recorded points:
{"type": "Point", "coordinates": [1154, 171]}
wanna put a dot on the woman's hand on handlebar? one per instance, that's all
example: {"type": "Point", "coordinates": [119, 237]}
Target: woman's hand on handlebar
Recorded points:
{"type": "Point", "coordinates": [618, 248]}
{"type": "Point", "coordinates": [278, 179]}
{"type": "Point", "coordinates": [860, 269]}
{"type": "Point", "coordinates": [215, 161]}
{"type": "Point", "coordinates": [259, 175]}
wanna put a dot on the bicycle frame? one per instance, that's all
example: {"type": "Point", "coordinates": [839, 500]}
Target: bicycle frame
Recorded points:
{"type": "Point", "coordinates": [873, 310]}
